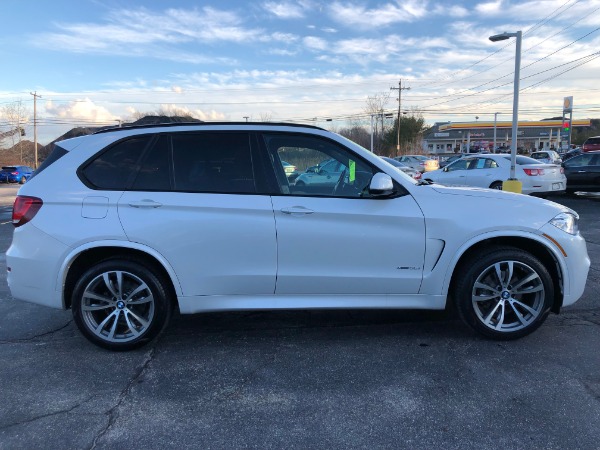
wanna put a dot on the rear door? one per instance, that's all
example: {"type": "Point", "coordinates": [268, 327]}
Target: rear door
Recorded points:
{"type": "Point", "coordinates": [206, 215]}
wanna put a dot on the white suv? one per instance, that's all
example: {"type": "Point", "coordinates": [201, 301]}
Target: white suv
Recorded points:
{"type": "Point", "coordinates": [125, 225]}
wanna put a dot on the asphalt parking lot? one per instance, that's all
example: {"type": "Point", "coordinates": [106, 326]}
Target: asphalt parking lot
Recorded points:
{"type": "Point", "coordinates": [345, 379]}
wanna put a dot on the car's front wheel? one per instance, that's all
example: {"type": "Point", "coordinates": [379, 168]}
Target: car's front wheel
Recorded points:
{"type": "Point", "coordinates": [503, 293]}
{"type": "Point", "coordinates": [121, 305]}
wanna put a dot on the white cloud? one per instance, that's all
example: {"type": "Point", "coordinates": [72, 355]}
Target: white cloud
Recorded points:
{"type": "Point", "coordinates": [352, 14]}
{"type": "Point", "coordinates": [492, 8]}
{"type": "Point", "coordinates": [79, 109]}
{"type": "Point", "coordinates": [144, 33]}
{"type": "Point", "coordinates": [284, 10]}
{"type": "Point", "coordinates": [315, 43]}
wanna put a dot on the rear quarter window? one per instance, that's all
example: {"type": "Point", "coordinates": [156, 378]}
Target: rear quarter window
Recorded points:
{"type": "Point", "coordinates": [116, 167]}
{"type": "Point", "coordinates": [56, 153]}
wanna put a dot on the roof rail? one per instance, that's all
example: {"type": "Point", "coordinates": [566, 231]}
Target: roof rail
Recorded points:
{"type": "Point", "coordinates": [201, 124]}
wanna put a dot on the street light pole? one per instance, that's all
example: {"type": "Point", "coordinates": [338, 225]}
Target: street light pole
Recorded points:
{"type": "Point", "coordinates": [495, 121]}
{"type": "Point", "coordinates": [512, 184]}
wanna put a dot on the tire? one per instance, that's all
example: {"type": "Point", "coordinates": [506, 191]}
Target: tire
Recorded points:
{"type": "Point", "coordinates": [22, 180]}
{"type": "Point", "coordinates": [496, 185]}
{"type": "Point", "coordinates": [503, 293]}
{"type": "Point", "coordinates": [121, 305]}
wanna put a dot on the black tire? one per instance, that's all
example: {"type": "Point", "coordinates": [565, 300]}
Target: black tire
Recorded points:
{"type": "Point", "coordinates": [496, 185]}
{"type": "Point", "coordinates": [123, 318]}
{"type": "Point", "coordinates": [511, 307]}
{"type": "Point", "coordinates": [22, 180]}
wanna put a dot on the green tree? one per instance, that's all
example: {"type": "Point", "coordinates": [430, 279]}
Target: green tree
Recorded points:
{"type": "Point", "coordinates": [412, 127]}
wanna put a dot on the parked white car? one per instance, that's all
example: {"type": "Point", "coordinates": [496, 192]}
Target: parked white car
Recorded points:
{"type": "Point", "coordinates": [547, 157]}
{"type": "Point", "coordinates": [490, 171]}
{"type": "Point", "coordinates": [127, 225]}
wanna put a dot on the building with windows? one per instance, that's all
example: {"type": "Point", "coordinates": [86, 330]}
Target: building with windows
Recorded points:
{"type": "Point", "coordinates": [456, 137]}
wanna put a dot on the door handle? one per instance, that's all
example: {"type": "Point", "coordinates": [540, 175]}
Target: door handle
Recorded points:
{"type": "Point", "coordinates": [145, 204]}
{"type": "Point", "coordinates": [297, 211]}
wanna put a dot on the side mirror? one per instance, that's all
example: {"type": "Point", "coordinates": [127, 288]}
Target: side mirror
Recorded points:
{"type": "Point", "coordinates": [381, 185]}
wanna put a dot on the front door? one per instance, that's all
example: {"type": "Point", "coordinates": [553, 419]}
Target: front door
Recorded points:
{"type": "Point", "coordinates": [338, 239]}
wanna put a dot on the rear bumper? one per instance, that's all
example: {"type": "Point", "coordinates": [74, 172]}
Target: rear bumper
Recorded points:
{"type": "Point", "coordinates": [32, 263]}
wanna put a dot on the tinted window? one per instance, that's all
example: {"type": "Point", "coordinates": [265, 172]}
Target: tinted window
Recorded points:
{"type": "Point", "coordinates": [154, 173]}
{"type": "Point", "coordinates": [57, 153]}
{"type": "Point", "coordinates": [585, 159]}
{"type": "Point", "coordinates": [461, 164]}
{"type": "Point", "coordinates": [116, 167]}
{"type": "Point", "coordinates": [213, 162]}
{"type": "Point", "coordinates": [593, 141]}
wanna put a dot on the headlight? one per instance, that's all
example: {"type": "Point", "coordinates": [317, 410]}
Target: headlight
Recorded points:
{"type": "Point", "coordinates": [567, 222]}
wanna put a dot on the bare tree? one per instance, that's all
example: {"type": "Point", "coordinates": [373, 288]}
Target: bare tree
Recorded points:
{"type": "Point", "coordinates": [375, 107]}
{"type": "Point", "coordinates": [17, 116]}
{"type": "Point", "coordinates": [266, 117]}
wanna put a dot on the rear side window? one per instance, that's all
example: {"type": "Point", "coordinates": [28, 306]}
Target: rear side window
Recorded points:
{"type": "Point", "coordinates": [213, 162]}
{"type": "Point", "coordinates": [116, 167]}
{"type": "Point", "coordinates": [56, 153]}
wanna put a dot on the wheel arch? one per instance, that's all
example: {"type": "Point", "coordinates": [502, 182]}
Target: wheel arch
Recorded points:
{"type": "Point", "coordinates": [83, 258]}
{"type": "Point", "coordinates": [536, 247]}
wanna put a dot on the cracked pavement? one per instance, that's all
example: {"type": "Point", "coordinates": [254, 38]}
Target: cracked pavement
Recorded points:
{"type": "Point", "coordinates": [318, 379]}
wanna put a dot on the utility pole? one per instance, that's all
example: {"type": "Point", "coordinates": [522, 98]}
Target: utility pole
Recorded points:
{"type": "Point", "coordinates": [399, 89]}
{"type": "Point", "coordinates": [35, 149]}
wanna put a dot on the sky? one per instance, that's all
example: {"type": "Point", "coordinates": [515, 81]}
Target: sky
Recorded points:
{"type": "Point", "coordinates": [309, 61]}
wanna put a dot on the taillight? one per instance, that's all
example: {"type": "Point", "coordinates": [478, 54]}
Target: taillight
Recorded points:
{"type": "Point", "coordinates": [417, 176]}
{"type": "Point", "coordinates": [14, 173]}
{"type": "Point", "coordinates": [533, 172]}
{"type": "Point", "coordinates": [562, 170]}
{"type": "Point", "coordinates": [24, 209]}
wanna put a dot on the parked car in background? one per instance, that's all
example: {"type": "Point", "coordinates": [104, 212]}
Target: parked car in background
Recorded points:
{"type": "Point", "coordinates": [288, 168]}
{"type": "Point", "coordinates": [490, 171]}
{"type": "Point", "coordinates": [326, 173]}
{"type": "Point", "coordinates": [583, 172]}
{"type": "Point", "coordinates": [571, 153]}
{"type": "Point", "coordinates": [591, 144]}
{"type": "Point", "coordinates": [547, 157]}
{"type": "Point", "coordinates": [403, 167]}
{"type": "Point", "coordinates": [419, 162]}
{"type": "Point", "coordinates": [15, 174]}
{"type": "Point", "coordinates": [128, 225]}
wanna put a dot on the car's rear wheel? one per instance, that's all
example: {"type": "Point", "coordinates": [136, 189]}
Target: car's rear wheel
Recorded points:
{"type": "Point", "coordinates": [496, 185]}
{"type": "Point", "coordinates": [121, 305]}
{"type": "Point", "coordinates": [22, 180]}
{"type": "Point", "coordinates": [503, 293]}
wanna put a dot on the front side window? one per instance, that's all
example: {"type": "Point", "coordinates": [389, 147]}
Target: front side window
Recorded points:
{"type": "Point", "coordinates": [219, 162]}
{"type": "Point", "coordinates": [323, 168]}
{"type": "Point", "coordinates": [461, 164]}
